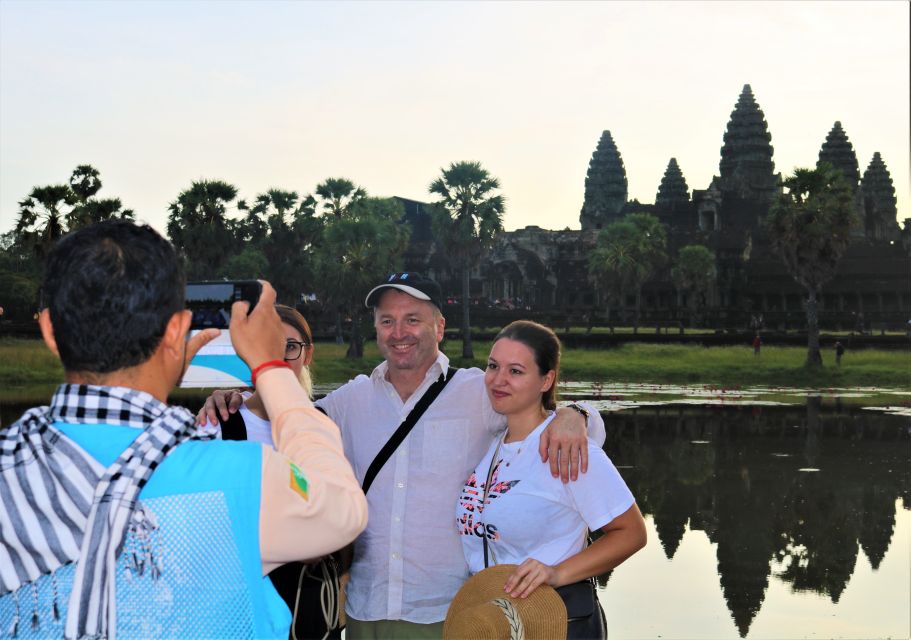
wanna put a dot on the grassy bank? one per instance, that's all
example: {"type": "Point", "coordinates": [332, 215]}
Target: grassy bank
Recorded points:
{"type": "Point", "coordinates": [28, 363]}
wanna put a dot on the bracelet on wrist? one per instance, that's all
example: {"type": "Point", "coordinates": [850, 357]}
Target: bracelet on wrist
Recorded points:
{"type": "Point", "coordinates": [268, 364]}
{"type": "Point", "coordinates": [578, 407]}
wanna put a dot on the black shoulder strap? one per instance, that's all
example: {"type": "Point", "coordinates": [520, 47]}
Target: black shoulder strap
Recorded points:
{"type": "Point", "coordinates": [405, 428]}
{"type": "Point", "coordinates": [233, 428]}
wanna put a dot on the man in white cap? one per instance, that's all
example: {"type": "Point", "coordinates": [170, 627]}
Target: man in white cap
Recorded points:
{"type": "Point", "coordinates": [408, 563]}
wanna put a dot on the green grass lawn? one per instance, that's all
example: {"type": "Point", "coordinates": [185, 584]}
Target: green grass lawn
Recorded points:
{"type": "Point", "coordinates": [728, 366]}
{"type": "Point", "coordinates": [27, 364]}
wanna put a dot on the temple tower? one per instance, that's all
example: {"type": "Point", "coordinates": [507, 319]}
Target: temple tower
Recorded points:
{"type": "Point", "coordinates": [605, 186]}
{"type": "Point", "coordinates": [746, 156]}
{"type": "Point", "coordinates": [838, 151]}
{"type": "Point", "coordinates": [879, 202]}
{"type": "Point", "coordinates": [673, 190]}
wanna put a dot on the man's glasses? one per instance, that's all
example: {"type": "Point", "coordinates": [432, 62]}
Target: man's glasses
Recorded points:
{"type": "Point", "coordinates": [293, 349]}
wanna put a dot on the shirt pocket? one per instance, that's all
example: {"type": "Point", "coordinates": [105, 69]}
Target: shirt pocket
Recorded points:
{"type": "Point", "coordinates": [445, 445]}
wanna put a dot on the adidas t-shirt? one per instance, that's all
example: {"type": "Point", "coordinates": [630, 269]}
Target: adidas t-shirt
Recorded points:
{"type": "Point", "coordinates": [529, 513]}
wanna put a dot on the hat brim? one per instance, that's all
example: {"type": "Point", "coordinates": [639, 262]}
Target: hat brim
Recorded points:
{"type": "Point", "coordinates": [543, 612]}
{"type": "Point", "coordinates": [373, 298]}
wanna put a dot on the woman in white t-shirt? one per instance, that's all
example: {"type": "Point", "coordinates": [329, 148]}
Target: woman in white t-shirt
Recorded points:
{"type": "Point", "coordinates": [524, 514]}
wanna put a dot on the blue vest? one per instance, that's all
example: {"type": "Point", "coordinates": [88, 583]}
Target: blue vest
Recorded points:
{"type": "Point", "coordinates": [205, 497]}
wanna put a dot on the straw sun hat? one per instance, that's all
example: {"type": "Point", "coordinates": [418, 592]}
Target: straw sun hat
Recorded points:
{"type": "Point", "coordinates": [481, 610]}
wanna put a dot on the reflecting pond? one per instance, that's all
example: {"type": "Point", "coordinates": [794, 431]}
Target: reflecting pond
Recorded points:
{"type": "Point", "coordinates": [772, 513]}
{"type": "Point", "coordinates": [764, 522]}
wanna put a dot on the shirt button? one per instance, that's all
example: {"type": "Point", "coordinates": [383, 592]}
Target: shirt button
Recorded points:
{"type": "Point", "coordinates": [400, 485]}
{"type": "Point", "coordinates": [395, 555]}
{"type": "Point", "coordinates": [396, 518]}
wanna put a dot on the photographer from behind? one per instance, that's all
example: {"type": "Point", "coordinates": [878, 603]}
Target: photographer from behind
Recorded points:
{"type": "Point", "coordinates": [120, 516]}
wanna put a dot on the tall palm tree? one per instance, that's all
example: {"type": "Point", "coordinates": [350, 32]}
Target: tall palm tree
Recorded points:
{"type": "Point", "coordinates": [283, 228]}
{"type": "Point", "coordinates": [52, 211]}
{"type": "Point", "coordinates": [468, 217]}
{"type": "Point", "coordinates": [199, 226]}
{"type": "Point", "coordinates": [809, 227]}
{"type": "Point", "coordinates": [85, 181]}
{"type": "Point", "coordinates": [42, 217]}
{"type": "Point", "coordinates": [338, 194]}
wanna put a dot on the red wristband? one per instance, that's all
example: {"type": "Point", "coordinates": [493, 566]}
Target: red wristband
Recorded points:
{"type": "Point", "coordinates": [264, 365]}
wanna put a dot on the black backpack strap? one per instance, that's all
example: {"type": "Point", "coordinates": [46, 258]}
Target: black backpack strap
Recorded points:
{"type": "Point", "coordinates": [405, 428]}
{"type": "Point", "coordinates": [233, 428]}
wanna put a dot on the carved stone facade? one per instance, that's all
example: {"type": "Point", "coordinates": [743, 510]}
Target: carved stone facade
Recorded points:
{"type": "Point", "coordinates": [605, 186]}
{"type": "Point", "coordinates": [546, 272]}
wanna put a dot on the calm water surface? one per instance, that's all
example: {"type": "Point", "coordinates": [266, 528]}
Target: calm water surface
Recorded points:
{"type": "Point", "coordinates": [764, 522]}
{"type": "Point", "coordinates": [767, 519]}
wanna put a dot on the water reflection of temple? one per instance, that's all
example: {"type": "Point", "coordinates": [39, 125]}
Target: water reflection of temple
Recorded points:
{"type": "Point", "coordinates": [783, 499]}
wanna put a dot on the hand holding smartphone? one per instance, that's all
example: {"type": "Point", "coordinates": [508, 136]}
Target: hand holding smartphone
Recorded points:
{"type": "Point", "coordinates": [217, 364]}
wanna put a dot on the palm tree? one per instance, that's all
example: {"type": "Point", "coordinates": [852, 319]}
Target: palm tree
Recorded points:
{"type": "Point", "coordinates": [694, 274]}
{"type": "Point", "coordinates": [42, 219]}
{"type": "Point", "coordinates": [199, 226]}
{"type": "Point", "coordinates": [338, 194]}
{"type": "Point", "coordinates": [283, 227]}
{"type": "Point", "coordinates": [809, 227]}
{"type": "Point", "coordinates": [85, 181]}
{"type": "Point", "coordinates": [627, 254]}
{"type": "Point", "coordinates": [468, 217]}
{"type": "Point", "coordinates": [52, 211]}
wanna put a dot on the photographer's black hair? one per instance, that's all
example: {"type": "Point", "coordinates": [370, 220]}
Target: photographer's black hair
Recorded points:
{"type": "Point", "coordinates": [111, 289]}
{"type": "Point", "coordinates": [545, 344]}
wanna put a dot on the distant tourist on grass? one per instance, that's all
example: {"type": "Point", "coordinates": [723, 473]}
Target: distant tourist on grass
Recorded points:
{"type": "Point", "coordinates": [839, 352]}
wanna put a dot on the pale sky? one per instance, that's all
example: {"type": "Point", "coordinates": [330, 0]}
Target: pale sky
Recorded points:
{"type": "Point", "coordinates": [285, 94]}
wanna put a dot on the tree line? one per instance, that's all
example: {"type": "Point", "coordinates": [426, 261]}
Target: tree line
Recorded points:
{"type": "Point", "coordinates": [330, 246]}
{"type": "Point", "coordinates": [335, 243]}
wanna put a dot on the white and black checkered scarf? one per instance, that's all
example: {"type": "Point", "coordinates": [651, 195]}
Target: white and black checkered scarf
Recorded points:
{"type": "Point", "coordinates": [61, 505]}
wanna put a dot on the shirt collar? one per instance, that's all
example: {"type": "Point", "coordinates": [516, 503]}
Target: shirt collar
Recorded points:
{"type": "Point", "coordinates": [440, 365]}
{"type": "Point", "coordinates": [119, 406]}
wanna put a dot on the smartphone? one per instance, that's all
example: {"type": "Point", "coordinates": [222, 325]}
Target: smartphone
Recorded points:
{"type": "Point", "coordinates": [210, 301]}
{"type": "Point", "coordinates": [217, 364]}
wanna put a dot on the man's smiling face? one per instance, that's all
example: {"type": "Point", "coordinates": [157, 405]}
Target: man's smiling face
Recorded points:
{"type": "Point", "coordinates": [408, 330]}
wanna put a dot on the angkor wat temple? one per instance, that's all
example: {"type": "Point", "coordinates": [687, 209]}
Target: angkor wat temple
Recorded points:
{"type": "Point", "coordinates": [546, 272]}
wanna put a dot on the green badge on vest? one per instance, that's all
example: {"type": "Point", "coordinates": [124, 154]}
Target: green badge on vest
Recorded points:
{"type": "Point", "coordinates": [299, 482]}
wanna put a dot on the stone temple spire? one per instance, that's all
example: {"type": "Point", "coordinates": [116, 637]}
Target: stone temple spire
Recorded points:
{"type": "Point", "coordinates": [672, 190]}
{"type": "Point", "coordinates": [879, 201]}
{"type": "Point", "coordinates": [746, 156]}
{"type": "Point", "coordinates": [605, 185]}
{"type": "Point", "coordinates": [838, 151]}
